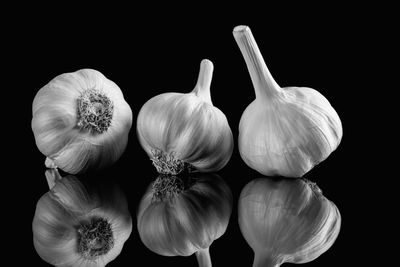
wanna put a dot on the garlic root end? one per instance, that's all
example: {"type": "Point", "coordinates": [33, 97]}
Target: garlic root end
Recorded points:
{"type": "Point", "coordinates": [169, 163]}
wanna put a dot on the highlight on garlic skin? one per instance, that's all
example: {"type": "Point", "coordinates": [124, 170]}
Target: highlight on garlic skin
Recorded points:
{"type": "Point", "coordinates": [179, 217]}
{"type": "Point", "coordinates": [74, 226]}
{"type": "Point", "coordinates": [81, 121]}
{"type": "Point", "coordinates": [286, 220]}
{"type": "Point", "coordinates": [185, 132]}
{"type": "Point", "coordinates": [284, 131]}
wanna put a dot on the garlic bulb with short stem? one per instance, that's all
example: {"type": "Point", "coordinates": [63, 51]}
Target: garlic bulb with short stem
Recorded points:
{"type": "Point", "coordinates": [185, 132]}
{"type": "Point", "coordinates": [78, 225]}
{"type": "Point", "coordinates": [284, 131]}
{"type": "Point", "coordinates": [81, 121]}
{"type": "Point", "coordinates": [286, 220]}
{"type": "Point", "coordinates": [182, 216]}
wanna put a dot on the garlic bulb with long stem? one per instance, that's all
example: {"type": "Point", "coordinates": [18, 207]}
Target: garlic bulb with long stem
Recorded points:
{"type": "Point", "coordinates": [286, 220]}
{"type": "Point", "coordinates": [180, 217]}
{"type": "Point", "coordinates": [74, 226]}
{"type": "Point", "coordinates": [81, 121]}
{"type": "Point", "coordinates": [185, 132]}
{"type": "Point", "coordinates": [284, 131]}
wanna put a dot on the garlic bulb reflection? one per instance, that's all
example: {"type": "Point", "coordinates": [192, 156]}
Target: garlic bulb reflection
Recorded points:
{"type": "Point", "coordinates": [73, 227]}
{"type": "Point", "coordinates": [286, 221]}
{"type": "Point", "coordinates": [180, 217]}
{"type": "Point", "coordinates": [284, 131]}
{"type": "Point", "coordinates": [182, 132]}
{"type": "Point", "coordinates": [81, 121]}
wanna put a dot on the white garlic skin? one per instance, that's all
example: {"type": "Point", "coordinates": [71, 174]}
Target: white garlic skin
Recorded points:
{"type": "Point", "coordinates": [284, 131]}
{"type": "Point", "coordinates": [289, 135]}
{"type": "Point", "coordinates": [55, 118]}
{"type": "Point", "coordinates": [187, 126]}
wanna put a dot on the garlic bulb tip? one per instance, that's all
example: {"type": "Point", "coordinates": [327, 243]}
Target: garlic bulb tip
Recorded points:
{"type": "Point", "coordinates": [202, 88]}
{"type": "Point", "coordinates": [241, 28]}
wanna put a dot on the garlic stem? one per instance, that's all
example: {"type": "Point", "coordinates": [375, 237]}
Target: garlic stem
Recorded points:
{"type": "Point", "coordinates": [52, 177]}
{"type": "Point", "coordinates": [202, 88]}
{"type": "Point", "coordinates": [203, 257]}
{"type": "Point", "coordinates": [263, 82]}
{"type": "Point", "coordinates": [264, 261]}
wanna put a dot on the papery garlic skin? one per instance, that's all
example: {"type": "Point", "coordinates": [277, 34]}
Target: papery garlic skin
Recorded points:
{"type": "Point", "coordinates": [73, 144]}
{"type": "Point", "coordinates": [287, 220]}
{"type": "Point", "coordinates": [174, 219]}
{"type": "Point", "coordinates": [284, 131]}
{"type": "Point", "coordinates": [63, 211]}
{"type": "Point", "coordinates": [186, 130]}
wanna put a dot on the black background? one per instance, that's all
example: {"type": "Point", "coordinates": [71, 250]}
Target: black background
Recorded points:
{"type": "Point", "coordinates": [147, 54]}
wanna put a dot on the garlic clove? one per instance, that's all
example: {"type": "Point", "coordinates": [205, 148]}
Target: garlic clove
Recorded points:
{"type": "Point", "coordinates": [53, 126]}
{"type": "Point", "coordinates": [284, 131]}
{"type": "Point", "coordinates": [72, 195]}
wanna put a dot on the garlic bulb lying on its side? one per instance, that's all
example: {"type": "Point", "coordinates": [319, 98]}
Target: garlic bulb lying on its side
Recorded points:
{"type": "Point", "coordinates": [74, 228]}
{"type": "Point", "coordinates": [81, 121]}
{"type": "Point", "coordinates": [284, 131]}
{"type": "Point", "coordinates": [286, 220]}
{"type": "Point", "coordinates": [182, 132]}
{"type": "Point", "coordinates": [179, 217]}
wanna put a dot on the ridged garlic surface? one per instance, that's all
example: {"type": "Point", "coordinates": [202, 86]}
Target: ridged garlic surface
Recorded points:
{"type": "Point", "coordinates": [286, 220]}
{"type": "Point", "coordinates": [284, 131]}
{"type": "Point", "coordinates": [72, 227]}
{"type": "Point", "coordinates": [81, 121]}
{"type": "Point", "coordinates": [185, 131]}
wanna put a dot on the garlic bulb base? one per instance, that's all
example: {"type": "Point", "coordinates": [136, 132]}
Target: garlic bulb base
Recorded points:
{"type": "Point", "coordinates": [95, 238]}
{"type": "Point", "coordinates": [95, 111]}
{"type": "Point", "coordinates": [168, 163]}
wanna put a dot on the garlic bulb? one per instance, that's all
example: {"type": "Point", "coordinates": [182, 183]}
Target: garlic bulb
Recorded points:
{"type": "Point", "coordinates": [179, 217]}
{"type": "Point", "coordinates": [287, 220]}
{"type": "Point", "coordinates": [184, 132]}
{"type": "Point", "coordinates": [81, 121]}
{"type": "Point", "coordinates": [74, 228]}
{"type": "Point", "coordinates": [284, 131]}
